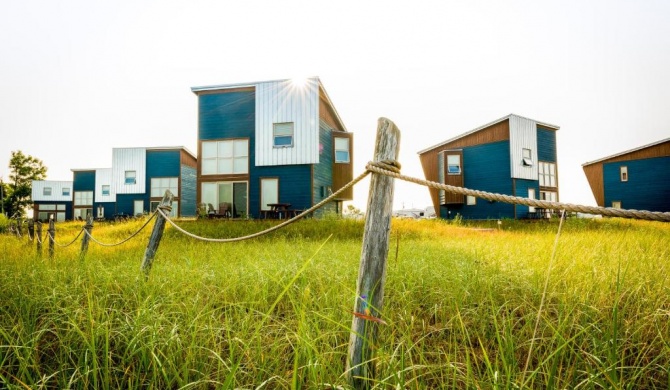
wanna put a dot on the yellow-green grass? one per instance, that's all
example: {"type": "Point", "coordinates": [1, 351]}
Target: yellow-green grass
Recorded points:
{"type": "Point", "coordinates": [275, 312]}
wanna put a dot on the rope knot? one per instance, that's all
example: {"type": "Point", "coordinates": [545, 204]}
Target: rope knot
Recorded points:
{"type": "Point", "coordinates": [389, 165]}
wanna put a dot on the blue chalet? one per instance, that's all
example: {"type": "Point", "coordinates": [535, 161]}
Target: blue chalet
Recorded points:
{"type": "Point", "coordinates": [134, 185]}
{"type": "Point", "coordinates": [636, 179]}
{"type": "Point", "coordinates": [270, 142]}
{"type": "Point", "coordinates": [512, 155]}
{"type": "Point", "coordinates": [52, 199]}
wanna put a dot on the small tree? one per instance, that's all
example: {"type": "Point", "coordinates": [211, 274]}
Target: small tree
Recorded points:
{"type": "Point", "coordinates": [23, 170]}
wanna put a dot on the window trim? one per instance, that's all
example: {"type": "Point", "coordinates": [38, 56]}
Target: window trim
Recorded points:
{"type": "Point", "coordinates": [623, 173]}
{"type": "Point", "coordinates": [216, 158]}
{"type": "Point", "coordinates": [545, 173]}
{"type": "Point", "coordinates": [459, 166]}
{"type": "Point", "coordinates": [348, 150]}
{"type": "Point", "coordinates": [281, 126]}
{"type": "Point", "coordinates": [130, 179]}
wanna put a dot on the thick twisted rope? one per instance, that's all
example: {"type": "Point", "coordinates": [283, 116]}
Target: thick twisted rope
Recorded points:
{"type": "Point", "coordinates": [376, 167]}
{"type": "Point", "coordinates": [124, 240]}
{"type": "Point", "coordinates": [51, 238]}
{"type": "Point", "coordinates": [266, 231]}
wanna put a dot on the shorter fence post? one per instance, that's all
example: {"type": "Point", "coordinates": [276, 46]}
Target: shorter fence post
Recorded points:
{"type": "Point", "coordinates": [39, 238]}
{"type": "Point", "coordinates": [18, 227]}
{"type": "Point", "coordinates": [52, 238]}
{"type": "Point", "coordinates": [156, 234]}
{"type": "Point", "coordinates": [31, 229]}
{"type": "Point", "coordinates": [84, 242]}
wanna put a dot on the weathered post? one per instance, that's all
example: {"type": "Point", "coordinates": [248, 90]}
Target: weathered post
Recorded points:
{"type": "Point", "coordinates": [372, 270]}
{"type": "Point", "coordinates": [31, 229]}
{"type": "Point", "coordinates": [156, 234]}
{"type": "Point", "coordinates": [19, 224]}
{"type": "Point", "coordinates": [39, 238]}
{"type": "Point", "coordinates": [52, 238]}
{"type": "Point", "coordinates": [84, 242]}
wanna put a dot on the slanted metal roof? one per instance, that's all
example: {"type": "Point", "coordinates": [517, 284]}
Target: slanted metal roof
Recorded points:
{"type": "Point", "coordinates": [626, 152]}
{"type": "Point", "coordinates": [483, 127]}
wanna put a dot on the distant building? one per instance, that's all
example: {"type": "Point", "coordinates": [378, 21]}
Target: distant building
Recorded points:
{"type": "Point", "coordinates": [512, 155]}
{"type": "Point", "coordinates": [636, 179]}
{"type": "Point", "coordinates": [134, 185]}
{"type": "Point", "coordinates": [52, 200]}
{"type": "Point", "coordinates": [271, 142]}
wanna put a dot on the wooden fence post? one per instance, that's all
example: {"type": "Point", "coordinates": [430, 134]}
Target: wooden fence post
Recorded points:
{"type": "Point", "coordinates": [84, 242]}
{"type": "Point", "coordinates": [156, 234]}
{"type": "Point", "coordinates": [31, 229]}
{"type": "Point", "coordinates": [52, 238]}
{"type": "Point", "coordinates": [39, 238]}
{"type": "Point", "coordinates": [19, 223]}
{"type": "Point", "coordinates": [372, 272]}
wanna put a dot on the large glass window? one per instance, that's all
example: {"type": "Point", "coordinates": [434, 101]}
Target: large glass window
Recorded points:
{"type": "Point", "coordinates": [282, 134]}
{"type": "Point", "coordinates": [342, 150]}
{"type": "Point", "coordinates": [225, 157]}
{"type": "Point", "coordinates": [547, 174]}
{"type": "Point", "coordinates": [160, 184]}
{"type": "Point", "coordinates": [83, 198]}
{"type": "Point", "coordinates": [173, 213]}
{"type": "Point", "coordinates": [233, 193]}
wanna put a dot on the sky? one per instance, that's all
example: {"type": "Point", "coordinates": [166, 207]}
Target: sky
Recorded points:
{"type": "Point", "coordinates": [78, 78]}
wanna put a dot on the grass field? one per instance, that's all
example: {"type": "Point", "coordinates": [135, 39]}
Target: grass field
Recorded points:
{"type": "Point", "coordinates": [461, 307]}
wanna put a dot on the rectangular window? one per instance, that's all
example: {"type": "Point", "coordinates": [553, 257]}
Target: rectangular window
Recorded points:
{"type": "Point", "coordinates": [131, 177]}
{"type": "Point", "coordinates": [225, 157]}
{"type": "Point", "coordinates": [160, 184]}
{"type": "Point", "coordinates": [106, 189]}
{"type": "Point", "coordinates": [549, 196]}
{"type": "Point", "coordinates": [138, 207]}
{"type": "Point", "coordinates": [341, 150]}
{"type": "Point", "coordinates": [624, 173]}
{"type": "Point", "coordinates": [46, 191]}
{"type": "Point", "coordinates": [547, 174]}
{"type": "Point", "coordinates": [269, 192]}
{"type": "Point", "coordinates": [616, 204]}
{"type": "Point", "coordinates": [471, 200]}
{"type": "Point", "coordinates": [83, 198]}
{"type": "Point", "coordinates": [283, 135]}
{"type": "Point", "coordinates": [527, 157]}
{"type": "Point", "coordinates": [453, 164]}
{"type": "Point", "coordinates": [82, 213]}
{"type": "Point", "coordinates": [66, 191]}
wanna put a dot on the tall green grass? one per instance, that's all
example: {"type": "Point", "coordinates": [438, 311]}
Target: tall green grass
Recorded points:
{"type": "Point", "coordinates": [274, 312]}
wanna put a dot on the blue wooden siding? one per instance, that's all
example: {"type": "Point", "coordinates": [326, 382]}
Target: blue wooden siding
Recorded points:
{"type": "Point", "coordinates": [546, 145]}
{"type": "Point", "coordinates": [294, 186]}
{"type": "Point", "coordinates": [109, 208]}
{"type": "Point", "coordinates": [323, 171]}
{"type": "Point", "coordinates": [187, 203]}
{"type": "Point", "coordinates": [522, 187]}
{"type": "Point", "coordinates": [486, 167]}
{"type": "Point", "coordinates": [226, 115]}
{"type": "Point", "coordinates": [125, 203]}
{"type": "Point", "coordinates": [83, 181]}
{"type": "Point", "coordinates": [647, 188]}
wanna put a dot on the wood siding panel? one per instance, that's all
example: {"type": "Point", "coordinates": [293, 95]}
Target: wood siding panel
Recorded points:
{"type": "Point", "coordinates": [594, 175]}
{"type": "Point", "coordinates": [494, 133]}
{"type": "Point", "coordinates": [453, 180]}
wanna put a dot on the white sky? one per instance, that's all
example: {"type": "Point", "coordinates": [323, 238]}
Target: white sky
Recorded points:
{"type": "Point", "coordinates": [80, 77]}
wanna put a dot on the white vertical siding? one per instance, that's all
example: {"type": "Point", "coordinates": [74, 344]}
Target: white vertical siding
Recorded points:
{"type": "Point", "coordinates": [56, 191]}
{"type": "Point", "coordinates": [522, 134]}
{"type": "Point", "coordinates": [103, 176]}
{"type": "Point", "coordinates": [129, 159]}
{"type": "Point", "coordinates": [285, 101]}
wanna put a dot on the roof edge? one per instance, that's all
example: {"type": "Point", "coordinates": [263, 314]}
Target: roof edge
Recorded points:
{"type": "Point", "coordinates": [626, 152]}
